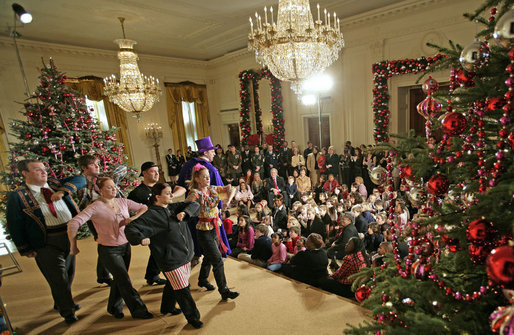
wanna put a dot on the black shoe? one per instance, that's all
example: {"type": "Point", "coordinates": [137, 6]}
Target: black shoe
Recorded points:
{"type": "Point", "coordinates": [229, 295]}
{"type": "Point", "coordinates": [174, 311]}
{"type": "Point", "coordinates": [144, 315]}
{"type": "Point", "coordinates": [107, 281]}
{"type": "Point", "coordinates": [72, 318]}
{"type": "Point", "coordinates": [196, 323]}
{"type": "Point", "coordinates": [75, 308]}
{"type": "Point", "coordinates": [207, 285]}
{"type": "Point", "coordinates": [156, 281]}
{"type": "Point", "coordinates": [119, 315]}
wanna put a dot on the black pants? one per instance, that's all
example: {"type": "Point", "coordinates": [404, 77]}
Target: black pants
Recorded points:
{"type": "Point", "coordinates": [184, 299]}
{"type": "Point", "coordinates": [117, 261]}
{"type": "Point", "coordinates": [336, 252]}
{"type": "Point", "coordinates": [58, 267]}
{"type": "Point", "coordinates": [152, 270]}
{"type": "Point", "coordinates": [101, 272]}
{"type": "Point", "coordinates": [211, 257]}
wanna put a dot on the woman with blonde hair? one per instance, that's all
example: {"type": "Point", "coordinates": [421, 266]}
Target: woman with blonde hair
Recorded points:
{"type": "Point", "coordinates": [312, 166]}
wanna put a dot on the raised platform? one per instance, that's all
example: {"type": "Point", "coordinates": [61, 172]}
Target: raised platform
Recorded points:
{"type": "Point", "coordinates": [268, 304]}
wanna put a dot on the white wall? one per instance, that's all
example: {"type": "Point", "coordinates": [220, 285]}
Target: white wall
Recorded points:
{"type": "Point", "coordinates": [396, 32]}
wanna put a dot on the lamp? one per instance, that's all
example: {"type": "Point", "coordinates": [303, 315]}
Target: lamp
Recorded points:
{"type": "Point", "coordinates": [295, 47]}
{"type": "Point", "coordinates": [134, 93]}
{"type": "Point", "coordinates": [153, 132]}
{"type": "Point", "coordinates": [25, 17]}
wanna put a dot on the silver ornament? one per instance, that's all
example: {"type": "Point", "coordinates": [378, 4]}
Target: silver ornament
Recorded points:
{"type": "Point", "coordinates": [504, 30]}
{"type": "Point", "coordinates": [417, 195]}
{"type": "Point", "coordinates": [378, 175]}
{"type": "Point", "coordinates": [473, 55]}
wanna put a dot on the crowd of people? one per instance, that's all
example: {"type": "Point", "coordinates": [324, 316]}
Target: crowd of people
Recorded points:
{"type": "Point", "coordinates": [301, 214]}
{"type": "Point", "coordinates": [305, 213]}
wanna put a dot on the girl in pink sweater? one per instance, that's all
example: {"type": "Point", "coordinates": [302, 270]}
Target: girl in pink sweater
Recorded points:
{"type": "Point", "coordinates": [279, 254]}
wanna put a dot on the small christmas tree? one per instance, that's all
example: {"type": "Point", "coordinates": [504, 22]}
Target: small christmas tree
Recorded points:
{"type": "Point", "coordinates": [58, 129]}
{"type": "Point", "coordinates": [460, 251]}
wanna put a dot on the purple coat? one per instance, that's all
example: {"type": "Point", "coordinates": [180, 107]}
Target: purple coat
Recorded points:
{"type": "Point", "coordinates": [183, 180]}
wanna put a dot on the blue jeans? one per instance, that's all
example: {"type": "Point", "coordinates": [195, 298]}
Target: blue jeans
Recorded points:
{"type": "Point", "coordinates": [275, 267]}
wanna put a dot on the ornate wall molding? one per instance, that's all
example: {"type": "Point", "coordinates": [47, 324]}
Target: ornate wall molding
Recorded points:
{"type": "Point", "coordinates": [91, 52]}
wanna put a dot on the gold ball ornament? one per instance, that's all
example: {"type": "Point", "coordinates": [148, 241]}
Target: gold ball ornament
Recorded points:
{"type": "Point", "coordinates": [378, 175]}
{"type": "Point", "coordinates": [504, 30]}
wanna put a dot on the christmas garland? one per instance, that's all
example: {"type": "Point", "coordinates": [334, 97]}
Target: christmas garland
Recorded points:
{"type": "Point", "coordinates": [382, 71]}
{"type": "Point", "coordinates": [247, 76]}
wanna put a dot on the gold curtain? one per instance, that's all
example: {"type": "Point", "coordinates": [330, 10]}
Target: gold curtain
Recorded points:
{"type": "Point", "coordinates": [93, 88]}
{"type": "Point", "coordinates": [3, 153]}
{"type": "Point", "coordinates": [189, 92]}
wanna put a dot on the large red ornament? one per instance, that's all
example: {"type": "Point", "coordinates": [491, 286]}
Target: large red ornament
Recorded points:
{"type": "Point", "coordinates": [362, 293]}
{"type": "Point", "coordinates": [454, 124]}
{"type": "Point", "coordinates": [438, 185]}
{"type": "Point", "coordinates": [479, 231]}
{"type": "Point", "coordinates": [478, 253]}
{"type": "Point", "coordinates": [500, 266]}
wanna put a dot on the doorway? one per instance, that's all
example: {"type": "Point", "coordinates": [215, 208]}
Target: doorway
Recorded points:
{"type": "Point", "coordinates": [313, 131]}
{"type": "Point", "coordinates": [233, 134]}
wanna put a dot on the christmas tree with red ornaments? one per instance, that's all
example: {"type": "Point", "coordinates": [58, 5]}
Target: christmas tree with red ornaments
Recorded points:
{"type": "Point", "coordinates": [57, 128]}
{"type": "Point", "coordinates": [458, 274]}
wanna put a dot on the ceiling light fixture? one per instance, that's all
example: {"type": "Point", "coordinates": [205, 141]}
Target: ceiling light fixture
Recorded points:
{"type": "Point", "coordinates": [134, 93]}
{"type": "Point", "coordinates": [25, 17]}
{"type": "Point", "coordinates": [295, 47]}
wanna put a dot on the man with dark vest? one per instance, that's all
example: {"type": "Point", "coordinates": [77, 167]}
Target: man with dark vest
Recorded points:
{"type": "Point", "coordinates": [37, 216]}
{"type": "Point", "coordinates": [141, 194]}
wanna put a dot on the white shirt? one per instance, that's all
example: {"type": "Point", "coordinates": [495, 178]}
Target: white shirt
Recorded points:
{"type": "Point", "coordinates": [63, 213]}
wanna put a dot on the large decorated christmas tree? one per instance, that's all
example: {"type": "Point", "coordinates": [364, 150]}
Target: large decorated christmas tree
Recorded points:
{"type": "Point", "coordinates": [57, 128]}
{"type": "Point", "coordinates": [458, 275]}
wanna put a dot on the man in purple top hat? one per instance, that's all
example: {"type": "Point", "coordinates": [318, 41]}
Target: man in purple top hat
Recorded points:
{"type": "Point", "coordinates": [206, 153]}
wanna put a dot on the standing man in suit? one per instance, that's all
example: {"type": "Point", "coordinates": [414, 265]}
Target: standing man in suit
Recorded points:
{"type": "Point", "coordinates": [37, 216]}
{"type": "Point", "coordinates": [234, 165]}
{"type": "Point", "coordinates": [284, 160]}
{"type": "Point", "coordinates": [141, 194]}
{"type": "Point", "coordinates": [275, 185]}
{"type": "Point", "coordinates": [270, 160]}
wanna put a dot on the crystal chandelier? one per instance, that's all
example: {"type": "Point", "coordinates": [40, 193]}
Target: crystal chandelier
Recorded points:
{"type": "Point", "coordinates": [295, 47]}
{"type": "Point", "coordinates": [134, 93]}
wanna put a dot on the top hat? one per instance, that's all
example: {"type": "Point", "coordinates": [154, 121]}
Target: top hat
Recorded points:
{"type": "Point", "coordinates": [204, 144]}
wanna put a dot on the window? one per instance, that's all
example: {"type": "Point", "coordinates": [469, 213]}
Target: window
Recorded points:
{"type": "Point", "coordinates": [189, 116]}
{"type": "Point", "coordinates": [97, 109]}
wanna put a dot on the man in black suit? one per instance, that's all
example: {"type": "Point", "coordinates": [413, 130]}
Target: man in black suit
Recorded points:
{"type": "Point", "coordinates": [279, 214]}
{"type": "Point", "coordinates": [337, 249]}
{"type": "Point", "coordinates": [141, 194]}
{"type": "Point", "coordinates": [275, 185]}
{"type": "Point", "coordinates": [37, 218]}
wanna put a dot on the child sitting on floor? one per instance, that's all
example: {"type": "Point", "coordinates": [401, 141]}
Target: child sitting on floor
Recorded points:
{"type": "Point", "coordinates": [227, 223]}
{"type": "Point", "coordinates": [279, 254]}
{"type": "Point", "coordinates": [245, 237]}
{"type": "Point", "coordinates": [262, 249]}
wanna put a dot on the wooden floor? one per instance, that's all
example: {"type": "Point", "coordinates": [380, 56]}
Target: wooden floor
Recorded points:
{"type": "Point", "coordinates": [268, 304]}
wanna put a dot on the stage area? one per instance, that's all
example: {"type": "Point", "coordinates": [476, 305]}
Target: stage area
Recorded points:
{"type": "Point", "coordinates": [268, 304]}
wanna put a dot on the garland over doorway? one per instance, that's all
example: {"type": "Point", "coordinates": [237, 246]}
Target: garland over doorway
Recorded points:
{"type": "Point", "coordinates": [382, 71]}
{"type": "Point", "coordinates": [251, 76]}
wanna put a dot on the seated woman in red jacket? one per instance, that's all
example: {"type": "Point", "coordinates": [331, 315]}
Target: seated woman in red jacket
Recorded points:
{"type": "Point", "coordinates": [354, 260]}
{"type": "Point", "coordinates": [331, 184]}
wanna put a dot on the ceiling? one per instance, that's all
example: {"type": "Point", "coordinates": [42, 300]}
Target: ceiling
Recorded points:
{"type": "Point", "coordinates": [192, 29]}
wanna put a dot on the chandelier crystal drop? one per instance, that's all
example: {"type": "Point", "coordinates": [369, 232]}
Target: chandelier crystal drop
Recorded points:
{"type": "Point", "coordinates": [295, 47]}
{"type": "Point", "coordinates": [133, 92]}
